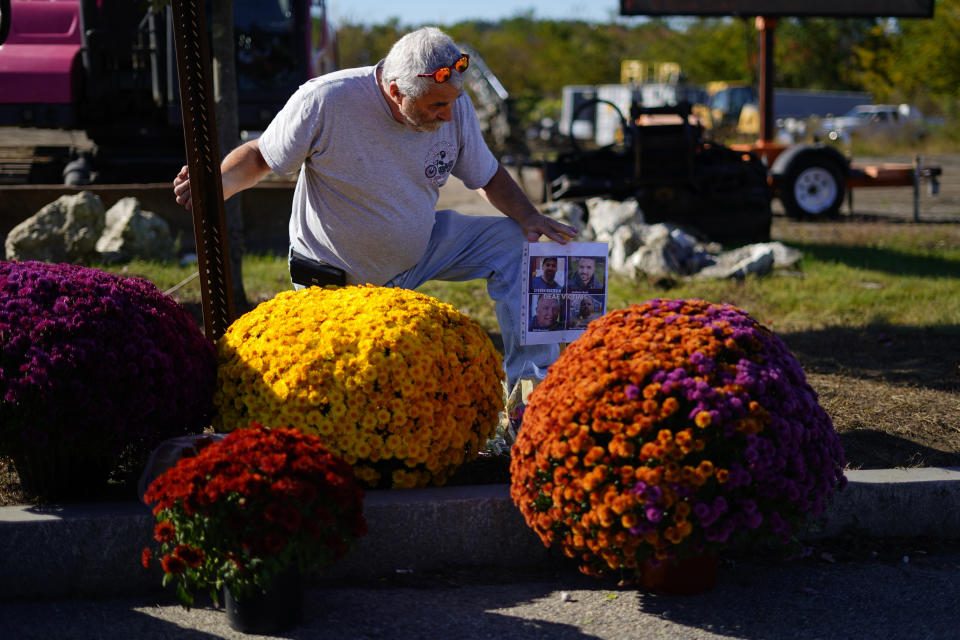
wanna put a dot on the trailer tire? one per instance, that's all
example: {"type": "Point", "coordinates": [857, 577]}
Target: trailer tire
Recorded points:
{"type": "Point", "coordinates": [813, 187]}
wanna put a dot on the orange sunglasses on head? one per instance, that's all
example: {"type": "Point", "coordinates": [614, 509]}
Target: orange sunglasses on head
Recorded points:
{"type": "Point", "coordinates": [443, 74]}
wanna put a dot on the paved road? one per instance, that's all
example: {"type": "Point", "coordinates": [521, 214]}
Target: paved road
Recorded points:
{"type": "Point", "coordinates": [871, 598]}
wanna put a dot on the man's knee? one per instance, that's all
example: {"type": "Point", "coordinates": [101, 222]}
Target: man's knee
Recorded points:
{"type": "Point", "coordinates": [509, 236]}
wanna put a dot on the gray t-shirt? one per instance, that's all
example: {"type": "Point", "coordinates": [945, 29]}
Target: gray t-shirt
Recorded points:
{"type": "Point", "coordinates": [368, 186]}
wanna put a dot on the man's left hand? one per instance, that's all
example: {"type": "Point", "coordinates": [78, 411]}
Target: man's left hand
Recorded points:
{"type": "Point", "coordinates": [541, 225]}
{"type": "Point", "coordinates": [506, 195]}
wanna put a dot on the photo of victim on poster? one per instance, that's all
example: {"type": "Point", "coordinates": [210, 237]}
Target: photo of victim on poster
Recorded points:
{"type": "Point", "coordinates": [564, 289]}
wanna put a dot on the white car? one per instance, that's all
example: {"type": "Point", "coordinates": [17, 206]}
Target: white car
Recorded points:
{"type": "Point", "coordinates": [876, 119]}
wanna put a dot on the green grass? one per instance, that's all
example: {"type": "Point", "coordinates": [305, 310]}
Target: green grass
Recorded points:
{"type": "Point", "coordinates": [263, 276]}
{"type": "Point", "coordinates": [938, 140]}
{"type": "Point", "coordinates": [851, 275]}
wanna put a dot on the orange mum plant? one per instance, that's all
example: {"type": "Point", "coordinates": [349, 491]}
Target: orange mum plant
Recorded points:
{"type": "Point", "coordinates": [668, 430]}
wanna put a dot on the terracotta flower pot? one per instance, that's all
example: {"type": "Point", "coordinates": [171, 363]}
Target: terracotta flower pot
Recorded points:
{"type": "Point", "coordinates": [686, 576]}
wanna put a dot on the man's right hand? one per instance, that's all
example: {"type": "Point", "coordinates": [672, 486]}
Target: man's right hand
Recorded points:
{"type": "Point", "coordinates": [181, 188]}
{"type": "Point", "coordinates": [242, 168]}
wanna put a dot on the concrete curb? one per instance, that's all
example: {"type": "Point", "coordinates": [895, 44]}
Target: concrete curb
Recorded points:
{"type": "Point", "coordinates": [893, 503]}
{"type": "Point", "coordinates": [94, 550]}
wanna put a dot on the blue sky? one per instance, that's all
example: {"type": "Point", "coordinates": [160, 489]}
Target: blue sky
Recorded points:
{"type": "Point", "coordinates": [417, 12]}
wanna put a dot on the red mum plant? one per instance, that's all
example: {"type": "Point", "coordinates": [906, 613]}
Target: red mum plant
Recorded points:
{"type": "Point", "coordinates": [250, 507]}
{"type": "Point", "coordinates": [667, 431]}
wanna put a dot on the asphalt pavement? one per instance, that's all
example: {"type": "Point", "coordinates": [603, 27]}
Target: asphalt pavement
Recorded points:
{"type": "Point", "coordinates": [903, 592]}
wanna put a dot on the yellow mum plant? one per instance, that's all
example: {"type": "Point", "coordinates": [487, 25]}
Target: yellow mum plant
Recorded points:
{"type": "Point", "coordinates": [402, 386]}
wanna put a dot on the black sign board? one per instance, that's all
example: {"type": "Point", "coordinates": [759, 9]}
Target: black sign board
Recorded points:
{"type": "Point", "coordinates": [780, 8]}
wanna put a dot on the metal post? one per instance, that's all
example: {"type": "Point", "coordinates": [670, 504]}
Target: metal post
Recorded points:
{"type": "Point", "coordinates": [916, 188]}
{"type": "Point", "coordinates": [766, 26]}
{"type": "Point", "coordinates": [203, 159]}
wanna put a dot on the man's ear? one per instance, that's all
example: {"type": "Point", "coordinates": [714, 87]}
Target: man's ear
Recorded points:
{"type": "Point", "coordinates": [395, 93]}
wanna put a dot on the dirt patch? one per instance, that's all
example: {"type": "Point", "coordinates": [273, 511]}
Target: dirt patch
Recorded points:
{"type": "Point", "coordinates": [886, 425]}
{"type": "Point", "coordinates": [893, 392]}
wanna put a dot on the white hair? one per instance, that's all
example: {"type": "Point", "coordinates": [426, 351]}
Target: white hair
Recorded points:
{"type": "Point", "coordinates": [422, 51]}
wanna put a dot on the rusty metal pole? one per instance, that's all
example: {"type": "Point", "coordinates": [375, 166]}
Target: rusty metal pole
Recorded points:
{"type": "Point", "coordinates": [766, 26]}
{"type": "Point", "coordinates": [203, 159]}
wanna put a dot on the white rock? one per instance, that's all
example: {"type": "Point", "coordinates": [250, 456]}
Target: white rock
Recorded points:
{"type": "Point", "coordinates": [66, 230]}
{"type": "Point", "coordinates": [133, 233]}
{"type": "Point", "coordinates": [606, 216]}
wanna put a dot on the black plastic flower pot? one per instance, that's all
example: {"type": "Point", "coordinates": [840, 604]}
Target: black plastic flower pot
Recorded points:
{"type": "Point", "coordinates": [279, 609]}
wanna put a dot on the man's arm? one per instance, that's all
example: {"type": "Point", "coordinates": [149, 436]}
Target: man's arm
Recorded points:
{"type": "Point", "coordinates": [241, 169]}
{"type": "Point", "coordinates": [505, 194]}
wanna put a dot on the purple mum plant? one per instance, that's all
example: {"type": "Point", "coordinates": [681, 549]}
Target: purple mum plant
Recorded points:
{"type": "Point", "coordinates": [95, 371]}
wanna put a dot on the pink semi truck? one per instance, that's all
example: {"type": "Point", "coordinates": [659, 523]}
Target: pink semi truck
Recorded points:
{"type": "Point", "coordinates": [40, 63]}
{"type": "Point", "coordinates": [108, 67]}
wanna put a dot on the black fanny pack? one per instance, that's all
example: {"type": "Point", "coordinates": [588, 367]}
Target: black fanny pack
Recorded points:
{"type": "Point", "coordinates": [309, 272]}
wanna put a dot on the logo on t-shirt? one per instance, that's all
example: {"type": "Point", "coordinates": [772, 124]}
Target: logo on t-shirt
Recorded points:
{"type": "Point", "coordinates": [439, 161]}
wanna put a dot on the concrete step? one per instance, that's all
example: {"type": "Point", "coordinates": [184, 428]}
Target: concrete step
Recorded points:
{"type": "Point", "coordinates": [94, 549]}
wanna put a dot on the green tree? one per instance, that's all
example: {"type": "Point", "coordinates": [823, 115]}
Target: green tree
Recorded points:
{"type": "Point", "coordinates": [874, 69]}
{"type": "Point", "coordinates": [909, 60]}
{"type": "Point", "coordinates": [818, 53]}
{"type": "Point", "coordinates": [359, 46]}
{"type": "Point", "coordinates": [927, 66]}
{"type": "Point", "coordinates": [720, 49]}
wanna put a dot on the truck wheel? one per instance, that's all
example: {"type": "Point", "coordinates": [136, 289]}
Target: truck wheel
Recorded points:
{"type": "Point", "coordinates": [813, 188]}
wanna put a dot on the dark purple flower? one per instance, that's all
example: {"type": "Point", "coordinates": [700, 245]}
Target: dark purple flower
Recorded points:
{"type": "Point", "coordinates": [83, 352]}
{"type": "Point", "coordinates": [703, 512]}
{"type": "Point", "coordinates": [719, 505]}
{"type": "Point", "coordinates": [654, 493]}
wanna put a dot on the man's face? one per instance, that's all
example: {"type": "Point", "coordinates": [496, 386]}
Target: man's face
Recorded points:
{"type": "Point", "coordinates": [585, 269]}
{"type": "Point", "coordinates": [430, 111]}
{"type": "Point", "coordinates": [547, 309]}
{"type": "Point", "coordinates": [549, 269]}
{"type": "Point", "coordinates": [586, 307]}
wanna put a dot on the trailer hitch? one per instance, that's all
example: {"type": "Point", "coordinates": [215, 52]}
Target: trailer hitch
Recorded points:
{"type": "Point", "coordinates": [930, 175]}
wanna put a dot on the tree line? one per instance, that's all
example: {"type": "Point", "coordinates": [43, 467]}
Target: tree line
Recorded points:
{"type": "Point", "coordinates": [909, 60]}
